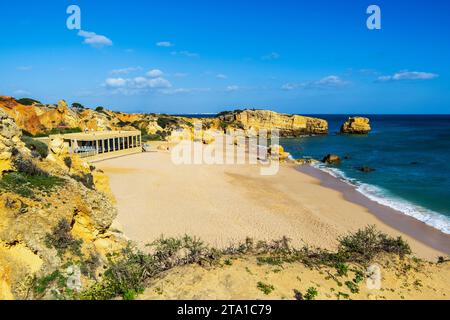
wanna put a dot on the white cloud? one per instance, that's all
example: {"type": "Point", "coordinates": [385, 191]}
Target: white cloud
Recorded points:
{"type": "Point", "coordinates": [183, 90]}
{"type": "Point", "coordinates": [221, 76]}
{"type": "Point", "coordinates": [408, 75]}
{"type": "Point", "coordinates": [271, 56]}
{"type": "Point", "coordinates": [324, 83]}
{"type": "Point", "coordinates": [94, 40]}
{"type": "Point", "coordinates": [21, 93]}
{"type": "Point", "coordinates": [232, 88]}
{"type": "Point", "coordinates": [115, 82]}
{"type": "Point", "coordinates": [165, 44]}
{"type": "Point", "coordinates": [185, 53]}
{"type": "Point", "coordinates": [136, 85]}
{"type": "Point", "coordinates": [289, 86]}
{"type": "Point", "coordinates": [155, 73]}
{"type": "Point", "coordinates": [125, 70]}
{"type": "Point", "coordinates": [24, 68]}
{"type": "Point", "coordinates": [330, 81]}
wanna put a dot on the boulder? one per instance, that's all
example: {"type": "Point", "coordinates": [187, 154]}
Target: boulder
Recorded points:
{"type": "Point", "coordinates": [356, 125]}
{"type": "Point", "coordinates": [278, 151]}
{"type": "Point", "coordinates": [366, 169]}
{"type": "Point", "coordinates": [58, 147]}
{"type": "Point", "coordinates": [332, 159]}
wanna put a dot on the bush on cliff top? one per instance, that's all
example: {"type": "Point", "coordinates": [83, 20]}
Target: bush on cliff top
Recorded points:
{"type": "Point", "coordinates": [28, 101]}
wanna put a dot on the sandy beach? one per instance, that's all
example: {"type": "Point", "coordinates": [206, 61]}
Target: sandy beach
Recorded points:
{"type": "Point", "coordinates": [226, 204]}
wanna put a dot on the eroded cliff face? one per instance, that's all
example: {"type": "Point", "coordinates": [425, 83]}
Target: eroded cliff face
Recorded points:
{"type": "Point", "coordinates": [55, 214]}
{"type": "Point", "coordinates": [40, 119]}
{"type": "Point", "coordinates": [289, 125]}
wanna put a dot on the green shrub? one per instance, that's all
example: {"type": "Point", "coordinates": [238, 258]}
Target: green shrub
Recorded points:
{"type": "Point", "coordinates": [28, 101]}
{"type": "Point", "coordinates": [28, 179]}
{"type": "Point", "coordinates": [62, 240]}
{"type": "Point", "coordinates": [40, 285]}
{"type": "Point", "coordinates": [342, 269]}
{"type": "Point", "coordinates": [36, 146]}
{"type": "Point", "coordinates": [352, 286]}
{"type": "Point", "coordinates": [86, 179]}
{"type": "Point", "coordinates": [265, 288]}
{"type": "Point", "coordinates": [28, 167]}
{"type": "Point", "coordinates": [364, 245]}
{"type": "Point", "coordinates": [165, 122]}
{"type": "Point", "coordinates": [311, 294]}
{"type": "Point", "coordinates": [77, 105]}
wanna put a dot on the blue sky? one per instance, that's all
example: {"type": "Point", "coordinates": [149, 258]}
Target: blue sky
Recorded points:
{"type": "Point", "coordinates": [207, 56]}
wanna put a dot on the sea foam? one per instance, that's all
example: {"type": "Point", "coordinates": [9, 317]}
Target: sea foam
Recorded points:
{"type": "Point", "coordinates": [384, 197]}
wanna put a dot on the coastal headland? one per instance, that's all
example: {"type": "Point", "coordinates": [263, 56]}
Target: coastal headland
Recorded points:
{"type": "Point", "coordinates": [64, 221]}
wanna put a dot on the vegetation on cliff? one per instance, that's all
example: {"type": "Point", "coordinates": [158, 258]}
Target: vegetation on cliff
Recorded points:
{"type": "Point", "coordinates": [52, 223]}
{"type": "Point", "coordinates": [131, 270]}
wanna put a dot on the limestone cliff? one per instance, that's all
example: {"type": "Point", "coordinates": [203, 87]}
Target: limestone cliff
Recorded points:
{"type": "Point", "coordinates": [356, 125]}
{"type": "Point", "coordinates": [55, 214]}
{"type": "Point", "coordinates": [41, 119]}
{"type": "Point", "coordinates": [289, 125]}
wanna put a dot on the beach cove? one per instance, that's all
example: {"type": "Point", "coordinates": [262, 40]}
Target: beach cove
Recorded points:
{"type": "Point", "coordinates": [226, 204]}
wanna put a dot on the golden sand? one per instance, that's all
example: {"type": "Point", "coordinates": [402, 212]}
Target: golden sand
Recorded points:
{"type": "Point", "coordinates": [226, 204]}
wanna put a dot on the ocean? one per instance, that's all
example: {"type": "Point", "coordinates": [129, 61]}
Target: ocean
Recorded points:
{"type": "Point", "coordinates": [410, 155]}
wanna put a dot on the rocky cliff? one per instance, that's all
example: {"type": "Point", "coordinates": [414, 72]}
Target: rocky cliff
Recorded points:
{"type": "Point", "coordinates": [289, 125]}
{"type": "Point", "coordinates": [55, 219]}
{"type": "Point", "coordinates": [39, 119]}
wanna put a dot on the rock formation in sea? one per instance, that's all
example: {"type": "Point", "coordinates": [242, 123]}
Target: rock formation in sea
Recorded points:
{"type": "Point", "coordinates": [356, 125]}
{"type": "Point", "coordinates": [332, 159]}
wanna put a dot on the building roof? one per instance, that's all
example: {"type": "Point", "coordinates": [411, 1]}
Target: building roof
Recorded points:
{"type": "Point", "coordinates": [97, 135]}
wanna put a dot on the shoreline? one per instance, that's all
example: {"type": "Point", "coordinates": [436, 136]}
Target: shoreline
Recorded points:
{"type": "Point", "coordinates": [226, 204]}
{"type": "Point", "coordinates": [415, 228]}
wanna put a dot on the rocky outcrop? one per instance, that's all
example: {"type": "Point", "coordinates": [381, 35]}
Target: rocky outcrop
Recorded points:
{"type": "Point", "coordinates": [289, 125]}
{"type": "Point", "coordinates": [10, 141]}
{"type": "Point", "coordinates": [277, 152]}
{"type": "Point", "coordinates": [51, 218]}
{"type": "Point", "coordinates": [332, 159]}
{"type": "Point", "coordinates": [356, 125]}
{"type": "Point", "coordinates": [42, 119]}
{"type": "Point", "coordinates": [366, 169]}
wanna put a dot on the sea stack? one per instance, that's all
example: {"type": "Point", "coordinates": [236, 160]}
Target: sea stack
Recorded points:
{"type": "Point", "coordinates": [356, 125]}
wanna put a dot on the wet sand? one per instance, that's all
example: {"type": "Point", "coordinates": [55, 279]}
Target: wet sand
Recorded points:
{"type": "Point", "coordinates": [225, 204]}
{"type": "Point", "coordinates": [396, 219]}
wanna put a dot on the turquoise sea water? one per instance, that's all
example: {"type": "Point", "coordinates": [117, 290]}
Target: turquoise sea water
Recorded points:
{"type": "Point", "coordinates": [411, 156]}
